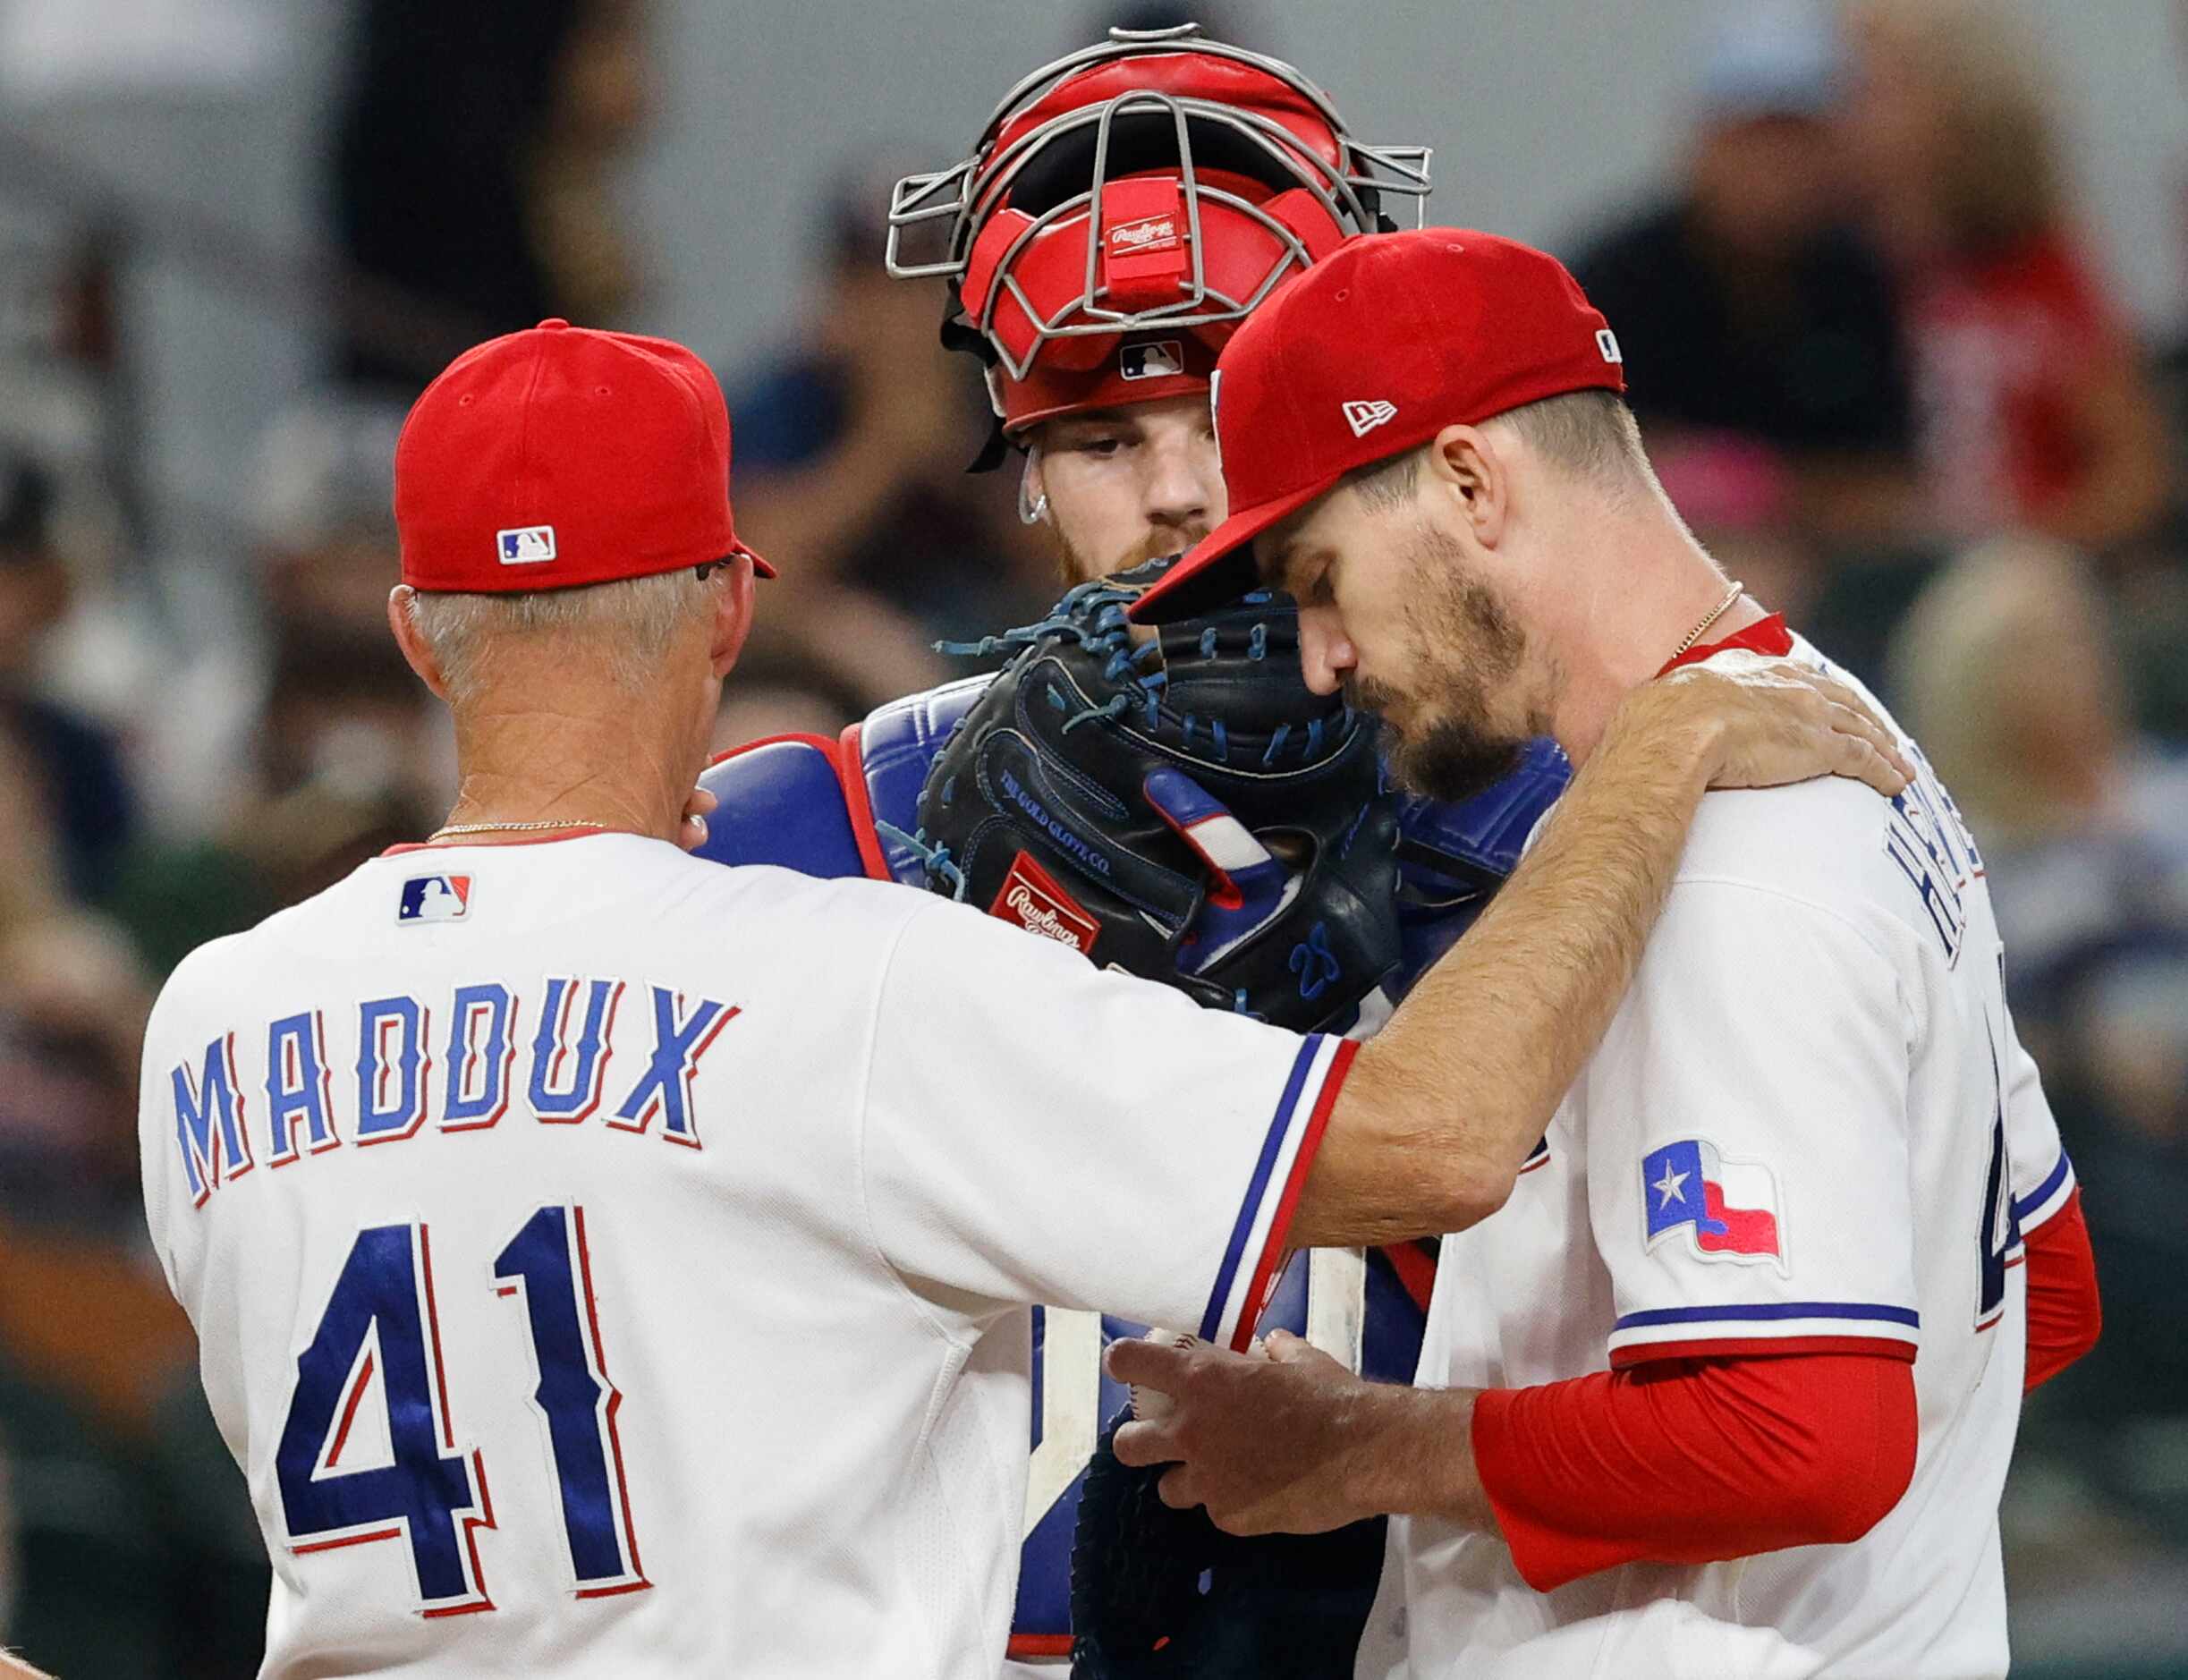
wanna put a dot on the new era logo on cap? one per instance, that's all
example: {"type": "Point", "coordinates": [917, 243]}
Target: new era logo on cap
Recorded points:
{"type": "Point", "coordinates": [1606, 341]}
{"type": "Point", "coordinates": [434, 898]}
{"type": "Point", "coordinates": [1365, 417]}
{"type": "Point", "coordinates": [526, 545]}
{"type": "Point", "coordinates": [1162, 360]}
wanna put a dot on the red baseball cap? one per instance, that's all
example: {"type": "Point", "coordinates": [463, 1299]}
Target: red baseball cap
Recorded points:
{"type": "Point", "coordinates": [1367, 355]}
{"type": "Point", "coordinates": [560, 456]}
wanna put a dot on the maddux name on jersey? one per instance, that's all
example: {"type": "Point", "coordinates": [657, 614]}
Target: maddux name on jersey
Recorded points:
{"type": "Point", "coordinates": [458, 1063]}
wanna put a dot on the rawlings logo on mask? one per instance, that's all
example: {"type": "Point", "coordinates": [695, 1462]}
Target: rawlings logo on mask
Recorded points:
{"type": "Point", "coordinates": [1148, 233]}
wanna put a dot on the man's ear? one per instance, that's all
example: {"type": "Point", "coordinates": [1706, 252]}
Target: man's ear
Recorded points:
{"type": "Point", "coordinates": [1466, 463]}
{"type": "Point", "coordinates": [734, 604]}
{"type": "Point", "coordinates": [1032, 490]}
{"type": "Point", "coordinates": [416, 654]}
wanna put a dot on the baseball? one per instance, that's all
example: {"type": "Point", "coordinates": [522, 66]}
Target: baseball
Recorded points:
{"type": "Point", "coordinates": [1151, 1405]}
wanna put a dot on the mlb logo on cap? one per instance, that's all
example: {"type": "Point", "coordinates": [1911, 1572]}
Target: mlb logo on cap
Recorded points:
{"type": "Point", "coordinates": [527, 544]}
{"type": "Point", "coordinates": [1163, 359]}
{"type": "Point", "coordinates": [434, 898]}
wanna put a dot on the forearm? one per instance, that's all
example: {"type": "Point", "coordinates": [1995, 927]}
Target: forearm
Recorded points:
{"type": "Point", "coordinates": [2065, 1316]}
{"type": "Point", "coordinates": [1692, 1461]}
{"type": "Point", "coordinates": [1414, 1455]}
{"type": "Point", "coordinates": [1444, 1103]}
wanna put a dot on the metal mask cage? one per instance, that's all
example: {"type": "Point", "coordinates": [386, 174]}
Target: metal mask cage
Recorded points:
{"type": "Point", "coordinates": [967, 194]}
{"type": "Point", "coordinates": [1199, 304]}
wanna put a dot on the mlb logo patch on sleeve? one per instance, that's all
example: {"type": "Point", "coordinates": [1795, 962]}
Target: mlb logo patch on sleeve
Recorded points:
{"type": "Point", "coordinates": [1727, 1208]}
{"type": "Point", "coordinates": [434, 898]}
{"type": "Point", "coordinates": [526, 545]}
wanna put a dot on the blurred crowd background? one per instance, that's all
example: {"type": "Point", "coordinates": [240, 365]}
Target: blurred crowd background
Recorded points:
{"type": "Point", "coordinates": [1903, 286]}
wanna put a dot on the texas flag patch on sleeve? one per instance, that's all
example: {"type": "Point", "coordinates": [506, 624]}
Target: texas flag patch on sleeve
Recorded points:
{"type": "Point", "coordinates": [434, 898]}
{"type": "Point", "coordinates": [1727, 1208]}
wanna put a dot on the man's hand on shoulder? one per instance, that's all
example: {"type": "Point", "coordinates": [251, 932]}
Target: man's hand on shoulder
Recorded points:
{"type": "Point", "coordinates": [1752, 721]}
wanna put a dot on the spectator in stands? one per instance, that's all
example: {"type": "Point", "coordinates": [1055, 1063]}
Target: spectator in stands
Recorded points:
{"type": "Point", "coordinates": [852, 449]}
{"type": "Point", "coordinates": [61, 770]}
{"type": "Point", "coordinates": [1745, 306]}
{"type": "Point", "coordinates": [2033, 404]}
{"type": "Point", "coordinates": [339, 710]}
{"type": "Point", "coordinates": [73, 998]}
{"type": "Point", "coordinates": [2006, 669]}
{"type": "Point", "coordinates": [121, 1538]}
{"type": "Point", "coordinates": [468, 188]}
{"type": "Point", "coordinates": [336, 753]}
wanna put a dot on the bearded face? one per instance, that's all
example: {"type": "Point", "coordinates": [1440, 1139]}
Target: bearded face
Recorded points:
{"type": "Point", "coordinates": [1453, 723]}
{"type": "Point", "coordinates": [1122, 486]}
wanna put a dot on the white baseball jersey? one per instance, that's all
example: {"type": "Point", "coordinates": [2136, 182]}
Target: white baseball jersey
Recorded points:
{"type": "Point", "coordinates": [1809, 1126]}
{"type": "Point", "coordinates": [608, 1263]}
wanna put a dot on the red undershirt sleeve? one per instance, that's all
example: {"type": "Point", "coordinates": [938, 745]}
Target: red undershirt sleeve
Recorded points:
{"type": "Point", "coordinates": [2064, 1315]}
{"type": "Point", "coordinates": [1692, 1461]}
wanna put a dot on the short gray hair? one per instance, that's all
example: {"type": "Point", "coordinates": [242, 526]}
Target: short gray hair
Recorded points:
{"type": "Point", "coordinates": [625, 627]}
{"type": "Point", "coordinates": [1591, 434]}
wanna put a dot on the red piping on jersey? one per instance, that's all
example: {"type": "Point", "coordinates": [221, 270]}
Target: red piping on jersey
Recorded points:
{"type": "Point", "coordinates": [1761, 1346]}
{"type": "Point", "coordinates": [823, 743]}
{"type": "Point", "coordinates": [1765, 635]}
{"type": "Point", "coordinates": [860, 801]}
{"type": "Point", "coordinates": [1259, 1285]}
{"type": "Point", "coordinates": [2064, 1314]}
{"type": "Point", "coordinates": [1040, 1645]}
{"type": "Point", "coordinates": [1415, 1269]}
{"type": "Point", "coordinates": [554, 838]}
{"type": "Point", "coordinates": [1695, 1462]}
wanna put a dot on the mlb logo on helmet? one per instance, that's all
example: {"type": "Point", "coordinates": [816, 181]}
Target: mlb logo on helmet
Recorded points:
{"type": "Point", "coordinates": [1728, 1208]}
{"type": "Point", "coordinates": [527, 544]}
{"type": "Point", "coordinates": [1162, 359]}
{"type": "Point", "coordinates": [434, 898]}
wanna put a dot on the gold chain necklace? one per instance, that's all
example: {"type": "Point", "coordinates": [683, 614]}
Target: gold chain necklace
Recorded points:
{"type": "Point", "coordinates": [509, 828]}
{"type": "Point", "coordinates": [1714, 613]}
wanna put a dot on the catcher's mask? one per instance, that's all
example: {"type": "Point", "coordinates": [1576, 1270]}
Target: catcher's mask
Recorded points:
{"type": "Point", "coordinates": [1127, 205]}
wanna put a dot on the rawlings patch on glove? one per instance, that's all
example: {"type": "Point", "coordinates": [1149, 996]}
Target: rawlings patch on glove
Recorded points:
{"type": "Point", "coordinates": [1183, 808]}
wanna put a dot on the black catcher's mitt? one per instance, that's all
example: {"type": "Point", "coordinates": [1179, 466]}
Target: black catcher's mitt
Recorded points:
{"type": "Point", "coordinates": [1185, 808]}
{"type": "Point", "coordinates": [1159, 1594]}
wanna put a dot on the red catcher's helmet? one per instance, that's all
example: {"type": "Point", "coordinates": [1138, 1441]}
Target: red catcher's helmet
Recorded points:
{"type": "Point", "coordinates": [1126, 206]}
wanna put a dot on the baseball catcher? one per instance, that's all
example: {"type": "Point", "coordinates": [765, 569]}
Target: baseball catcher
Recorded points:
{"type": "Point", "coordinates": [1180, 807]}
